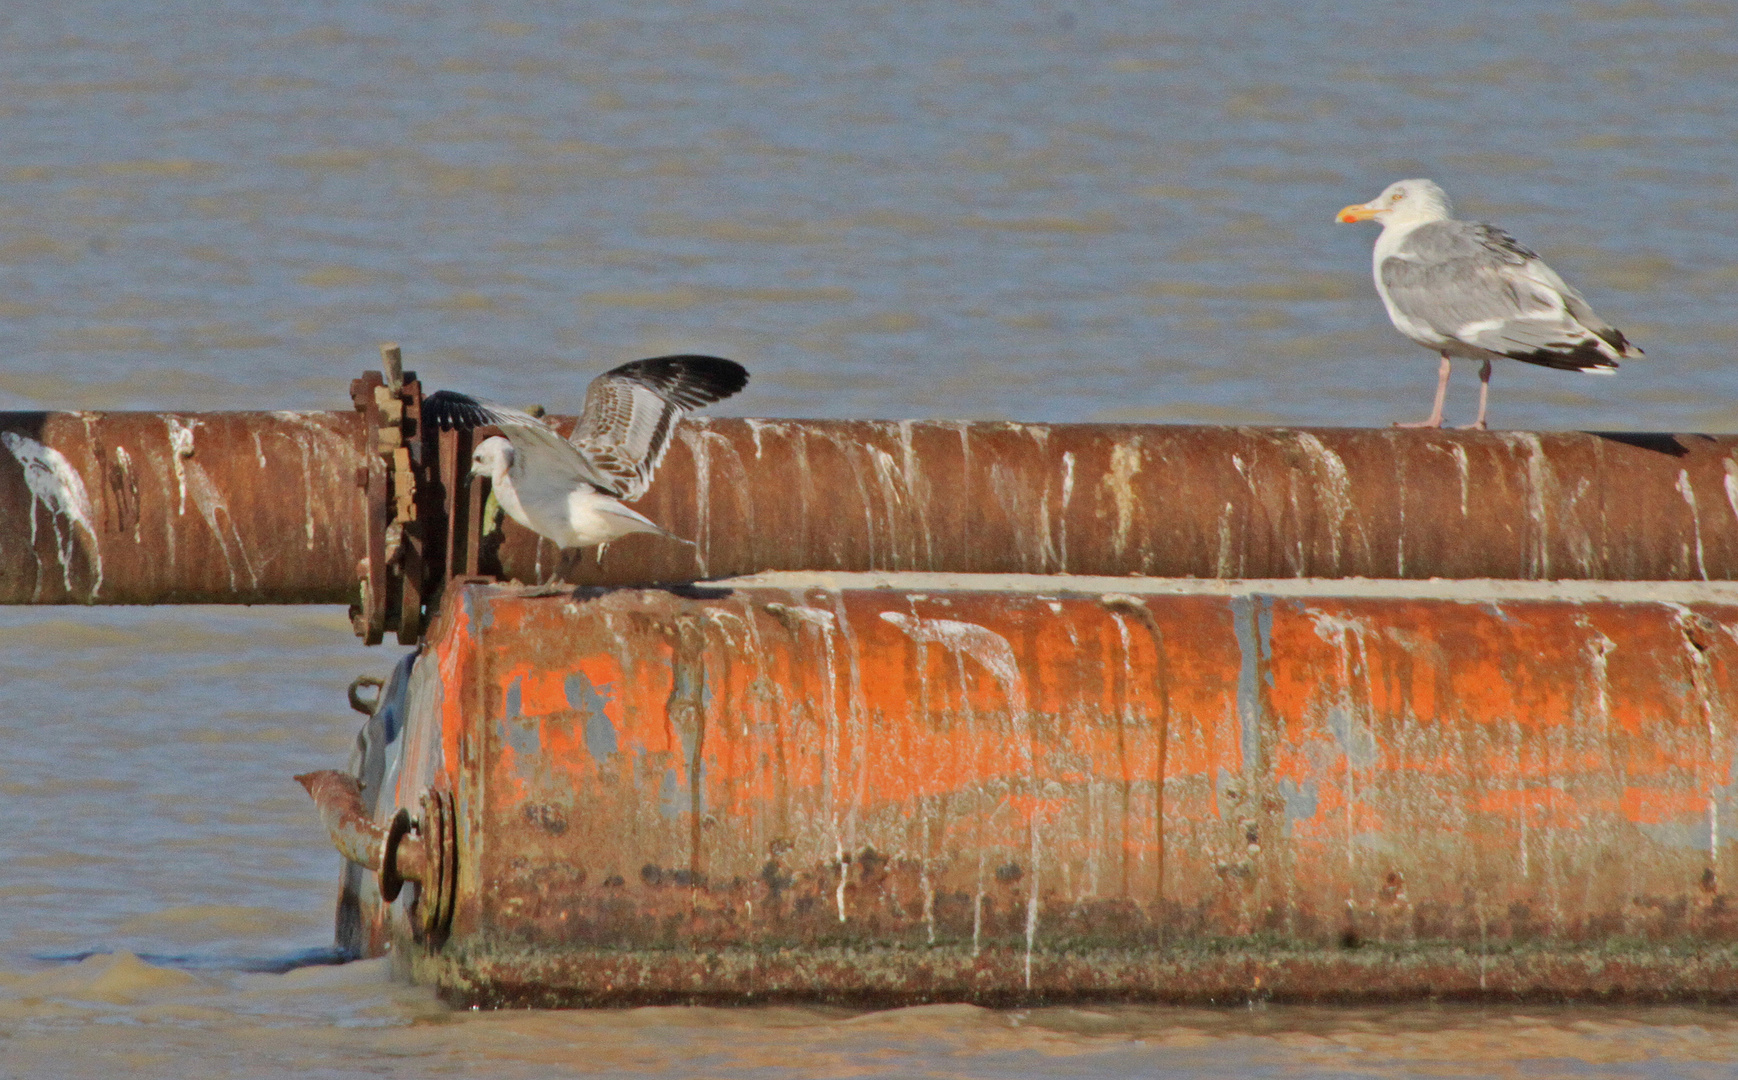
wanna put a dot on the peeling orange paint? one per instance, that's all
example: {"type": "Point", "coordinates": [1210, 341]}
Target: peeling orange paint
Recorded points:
{"type": "Point", "coordinates": [1653, 806]}
{"type": "Point", "coordinates": [999, 745]}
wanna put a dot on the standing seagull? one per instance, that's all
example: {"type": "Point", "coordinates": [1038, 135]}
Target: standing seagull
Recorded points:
{"type": "Point", "coordinates": [572, 491]}
{"type": "Point", "coordinates": [1467, 289]}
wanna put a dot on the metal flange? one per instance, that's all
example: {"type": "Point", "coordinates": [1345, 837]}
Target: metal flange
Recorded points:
{"type": "Point", "coordinates": [423, 849]}
{"type": "Point", "coordinates": [432, 911]}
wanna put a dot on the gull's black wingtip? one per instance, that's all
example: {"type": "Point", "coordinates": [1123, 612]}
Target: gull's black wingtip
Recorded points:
{"type": "Point", "coordinates": [448, 409]}
{"type": "Point", "coordinates": [688, 379]}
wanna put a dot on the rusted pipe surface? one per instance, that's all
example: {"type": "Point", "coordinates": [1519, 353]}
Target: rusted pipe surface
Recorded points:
{"type": "Point", "coordinates": [396, 852]}
{"type": "Point", "coordinates": [169, 508]}
{"type": "Point", "coordinates": [264, 507]}
{"type": "Point", "coordinates": [1038, 789]}
{"type": "Point", "coordinates": [1175, 501]}
{"type": "Point", "coordinates": [339, 797]}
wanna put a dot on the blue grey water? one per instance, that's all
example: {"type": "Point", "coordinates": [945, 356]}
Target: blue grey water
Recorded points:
{"type": "Point", "coordinates": [1053, 211]}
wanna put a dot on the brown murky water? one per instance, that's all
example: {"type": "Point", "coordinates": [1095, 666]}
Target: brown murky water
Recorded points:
{"type": "Point", "coordinates": [1053, 212]}
{"type": "Point", "coordinates": [343, 1021]}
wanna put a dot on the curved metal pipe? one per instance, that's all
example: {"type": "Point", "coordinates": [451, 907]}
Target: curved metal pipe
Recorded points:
{"type": "Point", "coordinates": [359, 838]}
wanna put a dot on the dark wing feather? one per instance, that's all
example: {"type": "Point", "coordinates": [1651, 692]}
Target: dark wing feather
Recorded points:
{"type": "Point", "coordinates": [542, 456]}
{"type": "Point", "coordinates": [1501, 244]}
{"type": "Point", "coordinates": [687, 381]}
{"type": "Point", "coordinates": [631, 411]}
{"type": "Point", "coordinates": [452, 411]}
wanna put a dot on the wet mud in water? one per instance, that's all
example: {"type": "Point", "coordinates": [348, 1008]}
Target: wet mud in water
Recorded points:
{"type": "Point", "coordinates": [1113, 212]}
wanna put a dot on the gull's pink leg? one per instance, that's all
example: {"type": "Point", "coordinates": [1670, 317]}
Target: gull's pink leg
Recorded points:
{"type": "Point", "coordinates": [1441, 395]}
{"type": "Point", "coordinates": [1484, 395]}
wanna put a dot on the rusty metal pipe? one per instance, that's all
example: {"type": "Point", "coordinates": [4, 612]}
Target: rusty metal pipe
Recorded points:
{"type": "Point", "coordinates": [1176, 501]}
{"type": "Point", "coordinates": [361, 839]}
{"type": "Point", "coordinates": [264, 507]}
{"type": "Point", "coordinates": [356, 835]}
{"type": "Point", "coordinates": [172, 508]}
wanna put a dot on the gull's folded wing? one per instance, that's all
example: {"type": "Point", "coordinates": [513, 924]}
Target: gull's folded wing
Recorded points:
{"type": "Point", "coordinates": [1475, 284]}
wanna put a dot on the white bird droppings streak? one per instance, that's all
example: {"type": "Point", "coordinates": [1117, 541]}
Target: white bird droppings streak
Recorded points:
{"type": "Point", "coordinates": [978, 906]}
{"type": "Point", "coordinates": [180, 449]}
{"type": "Point", "coordinates": [982, 644]}
{"type": "Point", "coordinates": [1599, 651]}
{"type": "Point", "coordinates": [1335, 489]}
{"type": "Point", "coordinates": [307, 494]}
{"type": "Point", "coordinates": [125, 461]}
{"type": "Point", "coordinates": [1032, 906]}
{"type": "Point", "coordinates": [55, 484]}
{"type": "Point", "coordinates": [207, 499]}
{"type": "Point", "coordinates": [1062, 514]}
{"type": "Point", "coordinates": [1689, 494]}
{"type": "Point", "coordinates": [1125, 463]}
{"type": "Point", "coordinates": [323, 450]}
{"type": "Point", "coordinates": [754, 429]}
{"type": "Point", "coordinates": [887, 475]}
{"type": "Point", "coordinates": [1730, 482]}
{"type": "Point", "coordinates": [1223, 568]}
{"type": "Point", "coordinates": [858, 716]}
{"type": "Point", "coordinates": [917, 491]}
{"type": "Point", "coordinates": [1537, 478]}
{"type": "Point", "coordinates": [993, 652]}
{"type": "Point", "coordinates": [1461, 465]}
{"type": "Point", "coordinates": [1357, 740]}
{"type": "Point", "coordinates": [796, 615]}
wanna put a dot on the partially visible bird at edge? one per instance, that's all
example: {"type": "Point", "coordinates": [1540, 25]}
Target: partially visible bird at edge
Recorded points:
{"type": "Point", "coordinates": [573, 491]}
{"type": "Point", "coordinates": [1466, 289]}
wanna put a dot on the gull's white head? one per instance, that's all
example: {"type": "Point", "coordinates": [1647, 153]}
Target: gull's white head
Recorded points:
{"type": "Point", "coordinates": [1402, 202]}
{"type": "Point", "coordinates": [492, 458]}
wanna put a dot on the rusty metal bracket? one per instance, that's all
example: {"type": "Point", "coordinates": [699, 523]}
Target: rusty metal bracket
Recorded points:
{"type": "Point", "coordinates": [361, 704]}
{"type": "Point", "coordinates": [466, 555]}
{"type": "Point", "coordinates": [424, 515]}
{"type": "Point", "coordinates": [392, 575]}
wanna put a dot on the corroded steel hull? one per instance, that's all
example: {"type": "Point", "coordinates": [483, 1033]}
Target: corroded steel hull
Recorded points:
{"type": "Point", "coordinates": [909, 787]}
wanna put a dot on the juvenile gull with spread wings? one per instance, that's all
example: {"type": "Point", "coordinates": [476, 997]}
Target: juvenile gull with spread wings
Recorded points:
{"type": "Point", "coordinates": [1462, 288]}
{"type": "Point", "coordinates": [572, 491]}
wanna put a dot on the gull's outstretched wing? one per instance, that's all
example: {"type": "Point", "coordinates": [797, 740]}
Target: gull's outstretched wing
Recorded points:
{"type": "Point", "coordinates": [631, 410]}
{"type": "Point", "coordinates": [1474, 284]}
{"type": "Point", "coordinates": [541, 456]}
{"type": "Point", "coordinates": [449, 410]}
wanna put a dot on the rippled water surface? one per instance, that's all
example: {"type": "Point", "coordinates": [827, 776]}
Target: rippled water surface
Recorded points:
{"type": "Point", "coordinates": [1042, 211]}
